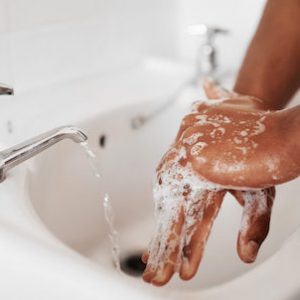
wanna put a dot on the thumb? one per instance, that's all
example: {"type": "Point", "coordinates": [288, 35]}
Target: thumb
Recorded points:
{"type": "Point", "coordinates": [214, 90]}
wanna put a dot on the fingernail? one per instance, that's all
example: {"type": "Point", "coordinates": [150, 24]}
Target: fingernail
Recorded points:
{"type": "Point", "coordinates": [148, 275]}
{"type": "Point", "coordinates": [145, 257]}
{"type": "Point", "coordinates": [161, 278]}
{"type": "Point", "coordinates": [208, 79]}
{"type": "Point", "coordinates": [248, 252]}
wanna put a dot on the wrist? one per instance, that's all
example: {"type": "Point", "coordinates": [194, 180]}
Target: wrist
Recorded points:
{"type": "Point", "coordinates": [291, 120]}
{"type": "Point", "coordinates": [246, 86]}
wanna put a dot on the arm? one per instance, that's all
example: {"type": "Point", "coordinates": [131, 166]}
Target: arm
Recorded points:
{"type": "Point", "coordinates": [271, 68]}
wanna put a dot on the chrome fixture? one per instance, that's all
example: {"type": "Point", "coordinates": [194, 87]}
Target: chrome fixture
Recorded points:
{"type": "Point", "coordinates": [206, 66]}
{"type": "Point", "coordinates": [15, 155]}
{"type": "Point", "coordinates": [206, 59]}
{"type": "Point", "coordinates": [6, 90]}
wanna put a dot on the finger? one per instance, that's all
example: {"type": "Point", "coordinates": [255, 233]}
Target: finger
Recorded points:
{"type": "Point", "coordinates": [239, 196]}
{"type": "Point", "coordinates": [163, 255]}
{"type": "Point", "coordinates": [145, 256]}
{"type": "Point", "coordinates": [215, 91]}
{"type": "Point", "coordinates": [205, 213]}
{"type": "Point", "coordinates": [255, 222]}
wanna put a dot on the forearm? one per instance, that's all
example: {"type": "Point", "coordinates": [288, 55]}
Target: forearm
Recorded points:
{"type": "Point", "coordinates": [271, 68]}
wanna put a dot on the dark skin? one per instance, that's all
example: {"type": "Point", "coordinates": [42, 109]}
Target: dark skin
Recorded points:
{"type": "Point", "coordinates": [237, 145]}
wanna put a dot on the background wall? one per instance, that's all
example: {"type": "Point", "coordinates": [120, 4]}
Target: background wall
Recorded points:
{"type": "Point", "coordinates": [46, 41]}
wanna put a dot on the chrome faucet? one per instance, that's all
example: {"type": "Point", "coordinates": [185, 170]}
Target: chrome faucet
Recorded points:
{"type": "Point", "coordinates": [6, 90]}
{"type": "Point", "coordinates": [17, 154]}
{"type": "Point", "coordinates": [206, 60]}
{"type": "Point", "coordinates": [206, 66]}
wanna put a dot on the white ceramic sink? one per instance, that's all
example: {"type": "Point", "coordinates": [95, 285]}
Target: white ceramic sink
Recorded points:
{"type": "Point", "coordinates": [68, 199]}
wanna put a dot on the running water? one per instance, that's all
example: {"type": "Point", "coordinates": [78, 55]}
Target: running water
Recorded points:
{"type": "Point", "coordinates": [113, 233]}
{"type": "Point", "coordinates": [91, 159]}
{"type": "Point", "coordinates": [108, 209]}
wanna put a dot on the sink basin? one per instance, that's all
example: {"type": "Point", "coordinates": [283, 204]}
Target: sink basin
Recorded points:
{"type": "Point", "coordinates": [68, 199]}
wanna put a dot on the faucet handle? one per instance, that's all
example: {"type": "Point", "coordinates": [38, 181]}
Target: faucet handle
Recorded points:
{"type": "Point", "coordinates": [206, 31]}
{"type": "Point", "coordinates": [6, 90]}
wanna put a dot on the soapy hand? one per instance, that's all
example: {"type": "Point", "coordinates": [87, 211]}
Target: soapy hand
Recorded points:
{"type": "Point", "coordinates": [224, 145]}
{"type": "Point", "coordinates": [237, 142]}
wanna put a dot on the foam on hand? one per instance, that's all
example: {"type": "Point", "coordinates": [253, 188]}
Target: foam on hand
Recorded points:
{"type": "Point", "coordinates": [176, 187]}
{"type": "Point", "coordinates": [179, 188]}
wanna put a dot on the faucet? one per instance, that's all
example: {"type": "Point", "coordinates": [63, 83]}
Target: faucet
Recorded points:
{"type": "Point", "coordinates": [17, 154]}
{"type": "Point", "coordinates": [206, 60]}
{"type": "Point", "coordinates": [206, 66]}
{"type": "Point", "coordinates": [5, 89]}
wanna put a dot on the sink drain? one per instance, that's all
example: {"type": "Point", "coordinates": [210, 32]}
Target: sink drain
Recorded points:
{"type": "Point", "coordinates": [133, 265]}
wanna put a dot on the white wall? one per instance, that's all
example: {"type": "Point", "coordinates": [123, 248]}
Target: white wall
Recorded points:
{"type": "Point", "coordinates": [45, 41]}
{"type": "Point", "coordinates": [5, 66]}
{"type": "Point", "coordinates": [51, 40]}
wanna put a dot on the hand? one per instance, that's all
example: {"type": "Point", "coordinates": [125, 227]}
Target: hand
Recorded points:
{"type": "Point", "coordinates": [187, 204]}
{"type": "Point", "coordinates": [242, 144]}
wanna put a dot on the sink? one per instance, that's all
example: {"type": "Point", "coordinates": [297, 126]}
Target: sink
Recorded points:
{"type": "Point", "coordinates": [68, 199]}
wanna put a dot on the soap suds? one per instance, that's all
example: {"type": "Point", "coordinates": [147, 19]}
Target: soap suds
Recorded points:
{"type": "Point", "coordinates": [271, 166]}
{"type": "Point", "coordinates": [256, 204]}
{"type": "Point", "coordinates": [176, 187]}
{"type": "Point", "coordinates": [197, 148]}
{"type": "Point", "coordinates": [243, 133]}
{"type": "Point", "coordinates": [201, 159]}
{"type": "Point", "coordinates": [258, 128]}
{"type": "Point", "coordinates": [237, 140]}
{"type": "Point", "coordinates": [217, 132]}
{"type": "Point", "coordinates": [220, 167]}
{"type": "Point", "coordinates": [242, 149]}
{"type": "Point", "coordinates": [192, 139]}
{"type": "Point", "coordinates": [254, 145]}
{"type": "Point", "coordinates": [203, 120]}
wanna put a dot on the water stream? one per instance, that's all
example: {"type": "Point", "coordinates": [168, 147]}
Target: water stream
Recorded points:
{"type": "Point", "coordinates": [108, 209]}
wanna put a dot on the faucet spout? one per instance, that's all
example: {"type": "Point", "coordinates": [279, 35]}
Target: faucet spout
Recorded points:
{"type": "Point", "coordinates": [17, 154]}
{"type": "Point", "coordinates": [6, 90]}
